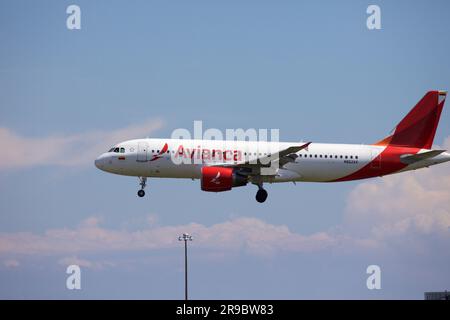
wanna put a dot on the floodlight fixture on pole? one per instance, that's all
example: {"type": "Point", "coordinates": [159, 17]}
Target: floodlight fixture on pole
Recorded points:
{"type": "Point", "coordinates": [185, 237]}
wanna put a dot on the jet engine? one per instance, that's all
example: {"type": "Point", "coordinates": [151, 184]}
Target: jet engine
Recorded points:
{"type": "Point", "coordinates": [218, 179]}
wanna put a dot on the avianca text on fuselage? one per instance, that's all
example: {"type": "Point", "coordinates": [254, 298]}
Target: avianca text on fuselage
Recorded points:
{"type": "Point", "coordinates": [222, 164]}
{"type": "Point", "coordinates": [203, 154]}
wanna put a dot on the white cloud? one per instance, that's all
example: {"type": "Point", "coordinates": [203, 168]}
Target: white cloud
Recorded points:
{"type": "Point", "coordinates": [248, 234]}
{"type": "Point", "coordinates": [74, 260]}
{"type": "Point", "coordinates": [65, 150]}
{"type": "Point", "coordinates": [405, 205]}
{"type": "Point", "coordinates": [11, 263]}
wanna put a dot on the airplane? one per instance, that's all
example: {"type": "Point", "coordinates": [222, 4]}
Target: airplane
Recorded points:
{"type": "Point", "coordinates": [224, 164]}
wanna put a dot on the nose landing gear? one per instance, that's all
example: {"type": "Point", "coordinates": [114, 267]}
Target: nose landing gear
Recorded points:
{"type": "Point", "coordinates": [143, 183]}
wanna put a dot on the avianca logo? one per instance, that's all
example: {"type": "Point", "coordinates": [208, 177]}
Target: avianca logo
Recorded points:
{"type": "Point", "coordinates": [160, 154]}
{"type": "Point", "coordinates": [200, 153]}
{"type": "Point", "coordinates": [216, 180]}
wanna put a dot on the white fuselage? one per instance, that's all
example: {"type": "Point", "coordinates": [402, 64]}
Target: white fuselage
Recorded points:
{"type": "Point", "coordinates": [320, 162]}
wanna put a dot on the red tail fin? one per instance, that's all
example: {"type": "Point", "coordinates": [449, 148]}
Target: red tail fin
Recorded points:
{"type": "Point", "coordinates": [418, 128]}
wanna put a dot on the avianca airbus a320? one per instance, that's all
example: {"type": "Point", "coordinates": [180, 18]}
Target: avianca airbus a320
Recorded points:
{"type": "Point", "coordinates": [221, 165]}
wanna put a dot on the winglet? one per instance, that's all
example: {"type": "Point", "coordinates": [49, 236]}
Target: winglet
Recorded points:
{"type": "Point", "coordinates": [305, 146]}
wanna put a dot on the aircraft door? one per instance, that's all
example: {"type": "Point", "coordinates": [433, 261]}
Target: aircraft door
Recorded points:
{"type": "Point", "coordinates": [143, 153]}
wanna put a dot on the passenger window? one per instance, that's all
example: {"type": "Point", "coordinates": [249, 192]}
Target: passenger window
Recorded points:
{"type": "Point", "coordinates": [351, 157]}
{"type": "Point", "coordinates": [341, 157]}
{"type": "Point", "coordinates": [326, 156]}
{"type": "Point", "coordinates": [356, 157]}
{"type": "Point", "coordinates": [346, 157]}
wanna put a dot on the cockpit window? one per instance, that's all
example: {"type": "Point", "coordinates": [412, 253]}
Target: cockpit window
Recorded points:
{"type": "Point", "coordinates": [117, 150]}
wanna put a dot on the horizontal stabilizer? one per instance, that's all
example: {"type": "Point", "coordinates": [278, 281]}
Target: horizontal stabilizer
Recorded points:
{"type": "Point", "coordinates": [412, 158]}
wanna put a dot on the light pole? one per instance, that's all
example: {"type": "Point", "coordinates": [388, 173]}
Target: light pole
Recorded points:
{"type": "Point", "coordinates": [185, 237]}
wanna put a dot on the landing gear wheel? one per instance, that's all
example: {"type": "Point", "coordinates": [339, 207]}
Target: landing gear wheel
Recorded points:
{"type": "Point", "coordinates": [142, 183]}
{"type": "Point", "coordinates": [261, 195]}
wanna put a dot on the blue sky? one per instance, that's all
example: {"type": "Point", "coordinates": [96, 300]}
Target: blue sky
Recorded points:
{"type": "Point", "coordinates": [311, 69]}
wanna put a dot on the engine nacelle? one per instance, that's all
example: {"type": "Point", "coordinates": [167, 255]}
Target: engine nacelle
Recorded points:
{"type": "Point", "coordinates": [217, 179]}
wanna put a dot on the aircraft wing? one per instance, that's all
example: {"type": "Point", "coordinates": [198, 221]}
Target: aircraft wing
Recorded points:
{"type": "Point", "coordinates": [290, 154]}
{"type": "Point", "coordinates": [412, 158]}
{"type": "Point", "coordinates": [282, 157]}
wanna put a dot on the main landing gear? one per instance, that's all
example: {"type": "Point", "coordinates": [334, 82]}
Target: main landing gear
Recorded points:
{"type": "Point", "coordinates": [261, 195]}
{"type": "Point", "coordinates": [143, 183]}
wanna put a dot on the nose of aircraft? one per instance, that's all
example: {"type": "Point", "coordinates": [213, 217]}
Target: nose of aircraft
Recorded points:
{"type": "Point", "coordinates": [100, 162]}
